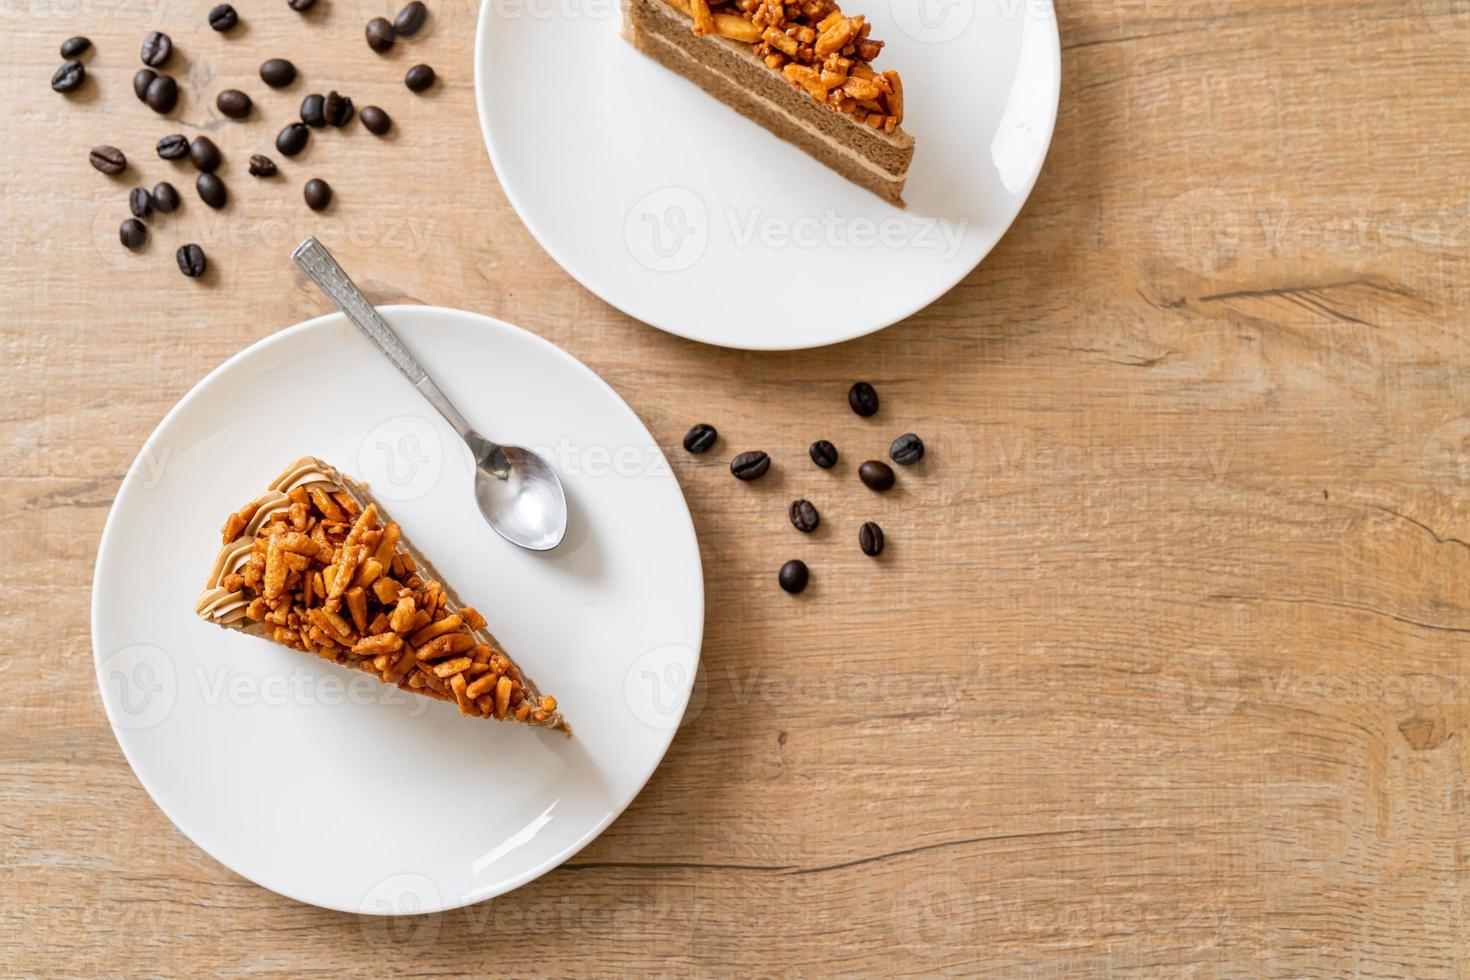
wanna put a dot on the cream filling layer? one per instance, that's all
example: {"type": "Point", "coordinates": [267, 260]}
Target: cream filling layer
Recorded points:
{"type": "Point", "coordinates": [222, 605]}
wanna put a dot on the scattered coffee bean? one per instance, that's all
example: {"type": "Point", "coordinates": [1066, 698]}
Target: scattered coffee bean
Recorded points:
{"type": "Point", "coordinates": [876, 476]}
{"type": "Point", "coordinates": [140, 202]}
{"type": "Point", "coordinates": [794, 576]}
{"type": "Point", "coordinates": [863, 398]}
{"type": "Point", "coordinates": [312, 110]}
{"type": "Point", "coordinates": [173, 146]}
{"type": "Point", "coordinates": [165, 198]}
{"type": "Point", "coordinates": [375, 120]}
{"type": "Point", "coordinates": [108, 159]}
{"type": "Point", "coordinates": [191, 260]}
{"type": "Point", "coordinates": [69, 76]}
{"type": "Point", "coordinates": [142, 78]}
{"type": "Point", "coordinates": [380, 34]}
{"type": "Point", "coordinates": [750, 466]}
{"type": "Point", "coordinates": [418, 78]}
{"type": "Point", "coordinates": [410, 19]}
{"type": "Point", "coordinates": [697, 439]}
{"type": "Point", "coordinates": [162, 95]}
{"type": "Point", "coordinates": [233, 103]}
{"type": "Point", "coordinates": [318, 194]}
{"type": "Point", "coordinates": [157, 48]}
{"type": "Point", "coordinates": [906, 450]}
{"type": "Point", "coordinates": [74, 46]}
{"type": "Point", "coordinates": [804, 516]}
{"type": "Point", "coordinates": [132, 233]}
{"type": "Point", "coordinates": [824, 454]}
{"type": "Point", "coordinates": [211, 190]}
{"type": "Point", "coordinates": [277, 72]}
{"type": "Point", "coordinates": [204, 154]}
{"type": "Point", "coordinates": [223, 17]}
{"type": "Point", "coordinates": [262, 166]}
{"type": "Point", "coordinates": [301, 6]}
{"type": "Point", "coordinates": [337, 108]}
{"type": "Point", "coordinates": [870, 539]}
{"type": "Point", "coordinates": [292, 140]}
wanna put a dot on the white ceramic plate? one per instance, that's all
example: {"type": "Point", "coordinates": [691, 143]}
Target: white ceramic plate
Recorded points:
{"type": "Point", "coordinates": [317, 781]}
{"type": "Point", "coordinates": [680, 212]}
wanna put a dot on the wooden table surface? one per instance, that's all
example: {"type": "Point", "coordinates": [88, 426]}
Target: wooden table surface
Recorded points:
{"type": "Point", "coordinates": [1165, 668]}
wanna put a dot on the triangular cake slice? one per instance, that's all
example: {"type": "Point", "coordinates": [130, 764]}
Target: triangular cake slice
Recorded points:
{"type": "Point", "coordinates": [803, 70]}
{"type": "Point", "coordinates": [314, 564]}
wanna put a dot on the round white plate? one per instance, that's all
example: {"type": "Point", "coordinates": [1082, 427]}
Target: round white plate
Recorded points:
{"type": "Point", "coordinates": [681, 212]}
{"type": "Point", "coordinates": [317, 781]}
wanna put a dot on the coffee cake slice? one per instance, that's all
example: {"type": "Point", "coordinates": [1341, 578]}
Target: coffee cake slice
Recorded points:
{"type": "Point", "coordinates": [314, 564]}
{"type": "Point", "coordinates": [803, 70]}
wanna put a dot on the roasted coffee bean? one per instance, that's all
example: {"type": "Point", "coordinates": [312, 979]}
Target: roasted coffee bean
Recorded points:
{"type": "Point", "coordinates": [277, 72]}
{"type": "Point", "coordinates": [301, 6]}
{"type": "Point", "coordinates": [863, 398]}
{"type": "Point", "coordinates": [418, 78]}
{"type": "Point", "coordinates": [410, 19]}
{"type": "Point", "coordinates": [233, 103]}
{"type": "Point", "coordinates": [162, 95]}
{"type": "Point", "coordinates": [157, 48]}
{"type": "Point", "coordinates": [750, 466]}
{"type": "Point", "coordinates": [204, 154]}
{"type": "Point", "coordinates": [337, 109]}
{"type": "Point", "coordinates": [876, 476]}
{"type": "Point", "coordinates": [191, 260]}
{"type": "Point", "coordinates": [794, 576]}
{"type": "Point", "coordinates": [74, 47]}
{"type": "Point", "coordinates": [804, 516]}
{"type": "Point", "coordinates": [318, 194]}
{"type": "Point", "coordinates": [906, 450]}
{"type": "Point", "coordinates": [262, 166]}
{"type": "Point", "coordinates": [870, 539]}
{"type": "Point", "coordinates": [312, 110]}
{"type": "Point", "coordinates": [69, 76]}
{"type": "Point", "coordinates": [108, 159]}
{"type": "Point", "coordinates": [132, 233]}
{"type": "Point", "coordinates": [223, 17]}
{"type": "Point", "coordinates": [380, 34]}
{"type": "Point", "coordinates": [697, 439]}
{"type": "Point", "coordinates": [173, 146]}
{"type": "Point", "coordinates": [140, 202]}
{"type": "Point", "coordinates": [375, 120]}
{"type": "Point", "coordinates": [142, 78]}
{"type": "Point", "coordinates": [824, 454]}
{"type": "Point", "coordinates": [211, 190]}
{"type": "Point", "coordinates": [165, 198]}
{"type": "Point", "coordinates": [292, 140]}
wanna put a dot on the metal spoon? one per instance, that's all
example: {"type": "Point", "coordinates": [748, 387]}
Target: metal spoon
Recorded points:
{"type": "Point", "coordinates": [518, 491]}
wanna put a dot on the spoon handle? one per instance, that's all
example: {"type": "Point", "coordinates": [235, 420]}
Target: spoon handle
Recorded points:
{"type": "Point", "coordinates": [314, 259]}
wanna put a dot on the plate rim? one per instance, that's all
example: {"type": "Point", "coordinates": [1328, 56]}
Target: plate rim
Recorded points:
{"type": "Point", "coordinates": [285, 335]}
{"type": "Point", "coordinates": [482, 33]}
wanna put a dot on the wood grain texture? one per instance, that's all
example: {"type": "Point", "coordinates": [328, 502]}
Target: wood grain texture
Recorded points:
{"type": "Point", "coordinates": [1181, 589]}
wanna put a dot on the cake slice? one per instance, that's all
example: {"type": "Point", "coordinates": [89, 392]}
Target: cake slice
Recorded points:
{"type": "Point", "coordinates": [803, 70]}
{"type": "Point", "coordinates": [314, 564]}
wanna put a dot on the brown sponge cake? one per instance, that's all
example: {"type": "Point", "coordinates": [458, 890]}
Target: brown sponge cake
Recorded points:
{"type": "Point", "coordinates": [826, 100]}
